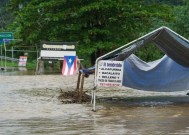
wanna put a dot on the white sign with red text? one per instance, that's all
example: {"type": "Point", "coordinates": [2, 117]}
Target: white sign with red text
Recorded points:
{"type": "Point", "coordinates": [22, 61]}
{"type": "Point", "coordinates": [110, 73]}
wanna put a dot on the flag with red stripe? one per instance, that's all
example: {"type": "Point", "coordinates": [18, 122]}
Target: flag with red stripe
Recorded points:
{"type": "Point", "coordinates": [69, 65]}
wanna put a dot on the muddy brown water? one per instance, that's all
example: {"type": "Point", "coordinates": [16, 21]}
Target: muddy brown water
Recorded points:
{"type": "Point", "coordinates": [37, 111]}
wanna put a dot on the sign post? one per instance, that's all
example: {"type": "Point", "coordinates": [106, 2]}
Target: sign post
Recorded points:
{"type": "Point", "coordinates": [107, 73]}
{"type": "Point", "coordinates": [1, 55]}
{"type": "Point", "coordinates": [5, 37]}
{"type": "Point", "coordinates": [53, 51]}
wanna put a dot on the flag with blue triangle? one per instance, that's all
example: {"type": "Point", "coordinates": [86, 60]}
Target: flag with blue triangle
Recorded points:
{"type": "Point", "coordinates": [69, 65]}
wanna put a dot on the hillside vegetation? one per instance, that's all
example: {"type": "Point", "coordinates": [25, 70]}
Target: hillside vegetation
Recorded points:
{"type": "Point", "coordinates": [98, 26]}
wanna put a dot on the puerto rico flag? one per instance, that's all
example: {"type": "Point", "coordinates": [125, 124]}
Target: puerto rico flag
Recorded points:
{"type": "Point", "coordinates": [69, 65]}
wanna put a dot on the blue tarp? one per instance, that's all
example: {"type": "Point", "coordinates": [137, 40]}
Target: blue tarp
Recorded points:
{"type": "Point", "coordinates": [160, 75]}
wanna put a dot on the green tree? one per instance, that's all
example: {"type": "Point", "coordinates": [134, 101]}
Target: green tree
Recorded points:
{"type": "Point", "coordinates": [98, 26]}
{"type": "Point", "coordinates": [181, 23]}
{"type": "Point", "coordinates": [5, 17]}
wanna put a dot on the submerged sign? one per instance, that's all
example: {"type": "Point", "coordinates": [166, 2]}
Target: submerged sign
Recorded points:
{"type": "Point", "coordinates": [110, 73]}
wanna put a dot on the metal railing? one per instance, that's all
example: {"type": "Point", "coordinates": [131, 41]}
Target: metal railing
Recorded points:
{"type": "Point", "coordinates": [8, 58]}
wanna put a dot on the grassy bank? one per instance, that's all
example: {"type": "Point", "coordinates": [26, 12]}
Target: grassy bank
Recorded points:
{"type": "Point", "coordinates": [29, 65]}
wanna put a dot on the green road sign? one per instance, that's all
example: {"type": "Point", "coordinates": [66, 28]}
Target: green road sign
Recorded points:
{"type": "Point", "coordinates": [6, 36]}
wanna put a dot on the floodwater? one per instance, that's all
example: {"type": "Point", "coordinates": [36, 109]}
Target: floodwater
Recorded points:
{"type": "Point", "coordinates": [39, 112]}
{"type": "Point", "coordinates": [29, 112]}
{"type": "Point", "coordinates": [11, 71]}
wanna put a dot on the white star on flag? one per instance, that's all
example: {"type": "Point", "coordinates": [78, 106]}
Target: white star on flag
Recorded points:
{"type": "Point", "coordinates": [70, 61]}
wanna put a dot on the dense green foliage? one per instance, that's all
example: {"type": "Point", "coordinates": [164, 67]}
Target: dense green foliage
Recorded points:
{"type": "Point", "coordinates": [182, 21]}
{"type": "Point", "coordinates": [5, 17]}
{"type": "Point", "coordinates": [98, 26]}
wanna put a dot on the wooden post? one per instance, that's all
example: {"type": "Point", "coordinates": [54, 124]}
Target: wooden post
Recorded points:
{"type": "Point", "coordinates": [81, 88]}
{"type": "Point", "coordinates": [40, 67]}
{"type": "Point", "coordinates": [78, 80]}
{"type": "Point", "coordinates": [78, 84]}
{"type": "Point", "coordinates": [37, 67]}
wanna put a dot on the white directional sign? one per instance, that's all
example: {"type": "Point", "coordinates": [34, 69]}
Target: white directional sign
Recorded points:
{"type": "Point", "coordinates": [110, 73]}
{"type": "Point", "coordinates": [57, 50]}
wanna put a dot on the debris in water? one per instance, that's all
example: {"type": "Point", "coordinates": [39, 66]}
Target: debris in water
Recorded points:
{"type": "Point", "coordinates": [72, 96]}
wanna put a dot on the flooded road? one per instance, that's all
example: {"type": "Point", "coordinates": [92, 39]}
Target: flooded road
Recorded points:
{"type": "Point", "coordinates": [37, 111]}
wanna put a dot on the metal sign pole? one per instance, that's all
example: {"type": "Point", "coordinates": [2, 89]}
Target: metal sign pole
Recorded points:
{"type": "Point", "coordinates": [12, 55]}
{"type": "Point", "coordinates": [5, 56]}
{"type": "Point", "coordinates": [1, 55]}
